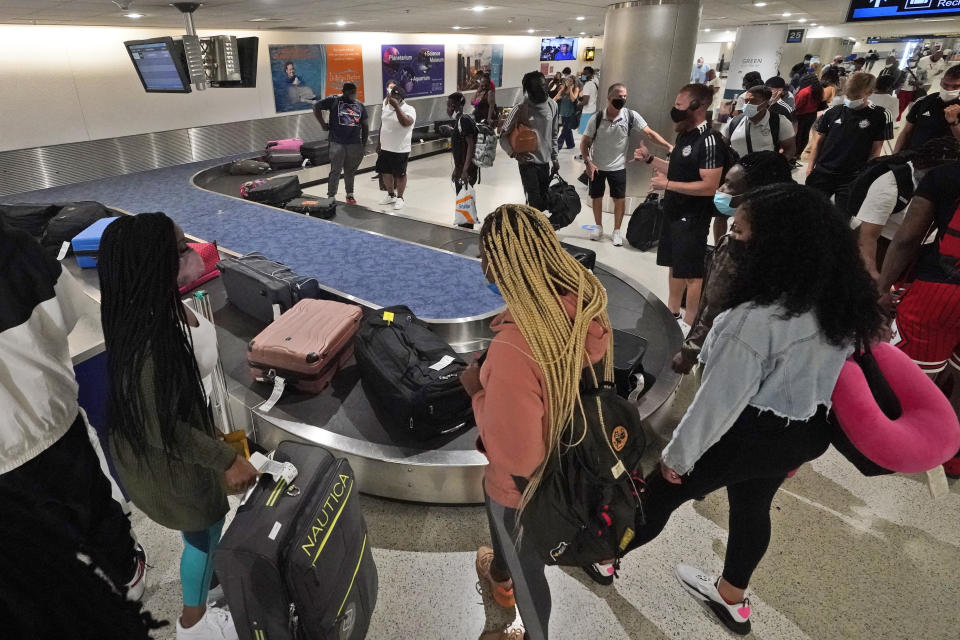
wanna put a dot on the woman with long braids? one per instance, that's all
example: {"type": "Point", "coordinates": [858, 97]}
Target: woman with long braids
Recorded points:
{"type": "Point", "coordinates": [798, 302]}
{"type": "Point", "coordinates": [525, 393]}
{"type": "Point", "coordinates": [161, 433]}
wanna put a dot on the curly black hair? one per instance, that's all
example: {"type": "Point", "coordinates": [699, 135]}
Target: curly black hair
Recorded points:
{"type": "Point", "coordinates": [762, 168]}
{"type": "Point", "coordinates": [803, 255]}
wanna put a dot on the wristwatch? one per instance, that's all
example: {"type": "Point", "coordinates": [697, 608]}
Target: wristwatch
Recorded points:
{"type": "Point", "coordinates": [649, 160]}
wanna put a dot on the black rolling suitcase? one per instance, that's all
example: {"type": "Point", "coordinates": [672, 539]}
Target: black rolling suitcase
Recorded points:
{"type": "Point", "coordinates": [283, 158]}
{"type": "Point", "coordinates": [296, 563]}
{"type": "Point", "coordinates": [254, 284]}
{"type": "Point", "coordinates": [628, 352]}
{"type": "Point", "coordinates": [586, 257]}
{"type": "Point", "coordinates": [273, 191]}
{"type": "Point", "coordinates": [643, 230]}
{"type": "Point", "coordinates": [316, 152]}
{"type": "Point", "coordinates": [411, 374]}
{"type": "Point", "coordinates": [324, 208]}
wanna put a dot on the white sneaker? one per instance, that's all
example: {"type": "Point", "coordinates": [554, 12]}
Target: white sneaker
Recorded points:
{"type": "Point", "coordinates": [735, 617]}
{"type": "Point", "coordinates": [617, 238]}
{"type": "Point", "coordinates": [216, 624]}
{"type": "Point", "coordinates": [399, 204]}
{"type": "Point", "coordinates": [596, 233]}
{"type": "Point", "coordinates": [138, 583]}
{"type": "Point", "coordinates": [388, 199]}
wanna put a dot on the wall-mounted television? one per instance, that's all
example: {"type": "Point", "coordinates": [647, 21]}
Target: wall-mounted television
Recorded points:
{"type": "Point", "coordinates": [160, 64]}
{"type": "Point", "coordinates": [862, 10]}
{"type": "Point", "coordinates": [558, 48]}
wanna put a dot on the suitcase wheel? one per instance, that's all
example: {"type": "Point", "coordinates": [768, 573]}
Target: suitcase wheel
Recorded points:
{"type": "Point", "coordinates": [312, 357]}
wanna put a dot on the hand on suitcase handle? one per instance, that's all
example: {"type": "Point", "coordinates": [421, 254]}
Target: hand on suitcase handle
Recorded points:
{"type": "Point", "coordinates": [241, 475]}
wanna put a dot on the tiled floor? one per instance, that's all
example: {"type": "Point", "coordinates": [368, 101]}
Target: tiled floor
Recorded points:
{"type": "Point", "coordinates": [851, 557]}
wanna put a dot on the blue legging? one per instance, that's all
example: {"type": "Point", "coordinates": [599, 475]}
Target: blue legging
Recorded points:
{"type": "Point", "coordinates": [196, 563]}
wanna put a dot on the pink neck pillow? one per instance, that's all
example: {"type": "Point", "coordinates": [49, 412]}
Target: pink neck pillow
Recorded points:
{"type": "Point", "coordinates": [922, 435]}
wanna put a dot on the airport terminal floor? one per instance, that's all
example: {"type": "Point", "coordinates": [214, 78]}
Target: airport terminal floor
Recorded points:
{"type": "Point", "coordinates": [851, 556]}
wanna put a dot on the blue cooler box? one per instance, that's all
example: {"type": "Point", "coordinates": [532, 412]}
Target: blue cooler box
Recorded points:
{"type": "Point", "coordinates": [86, 244]}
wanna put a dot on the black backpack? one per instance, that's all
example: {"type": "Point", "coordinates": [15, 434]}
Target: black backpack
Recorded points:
{"type": "Point", "coordinates": [589, 498]}
{"type": "Point", "coordinates": [874, 169]}
{"type": "Point", "coordinates": [563, 201]}
{"type": "Point", "coordinates": [643, 230]}
{"type": "Point", "coordinates": [774, 121]}
{"type": "Point", "coordinates": [412, 375]}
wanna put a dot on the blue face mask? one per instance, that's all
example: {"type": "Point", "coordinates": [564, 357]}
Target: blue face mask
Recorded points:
{"type": "Point", "coordinates": [750, 110]}
{"type": "Point", "coordinates": [493, 287]}
{"type": "Point", "coordinates": [721, 201]}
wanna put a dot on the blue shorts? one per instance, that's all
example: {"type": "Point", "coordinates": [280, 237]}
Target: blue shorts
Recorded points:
{"type": "Point", "coordinates": [584, 121]}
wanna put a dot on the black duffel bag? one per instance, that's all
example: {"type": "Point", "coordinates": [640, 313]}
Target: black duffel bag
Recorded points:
{"type": "Point", "coordinates": [71, 219]}
{"type": "Point", "coordinates": [411, 375]}
{"type": "Point", "coordinates": [32, 218]}
{"type": "Point", "coordinates": [563, 201]}
{"type": "Point", "coordinates": [643, 230]}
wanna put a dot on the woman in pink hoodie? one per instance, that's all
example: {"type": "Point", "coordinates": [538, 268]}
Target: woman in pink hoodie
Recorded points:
{"type": "Point", "coordinates": [525, 393]}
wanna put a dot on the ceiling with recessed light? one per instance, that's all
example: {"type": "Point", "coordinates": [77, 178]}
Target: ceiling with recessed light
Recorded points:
{"type": "Point", "coordinates": [538, 17]}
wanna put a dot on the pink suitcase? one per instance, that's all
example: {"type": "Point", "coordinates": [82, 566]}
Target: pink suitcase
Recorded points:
{"type": "Point", "coordinates": [307, 344]}
{"type": "Point", "coordinates": [290, 144]}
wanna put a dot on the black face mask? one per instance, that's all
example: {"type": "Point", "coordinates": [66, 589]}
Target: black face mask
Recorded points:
{"type": "Point", "coordinates": [618, 103]}
{"type": "Point", "coordinates": [679, 115]}
{"type": "Point", "coordinates": [537, 94]}
{"type": "Point", "coordinates": [738, 250]}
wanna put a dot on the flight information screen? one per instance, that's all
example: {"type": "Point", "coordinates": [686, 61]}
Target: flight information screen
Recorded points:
{"type": "Point", "coordinates": [863, 10]}
{"type": "Point", "coordinates": [157, 67]}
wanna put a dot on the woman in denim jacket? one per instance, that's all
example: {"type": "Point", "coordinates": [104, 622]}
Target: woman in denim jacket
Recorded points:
{"type": "Point", "coordinates": [798, 301]}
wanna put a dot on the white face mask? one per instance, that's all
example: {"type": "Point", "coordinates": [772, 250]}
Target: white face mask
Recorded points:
{"type": "Point", "coordinates": [854, 104]}
{"type": "Point", "coordinates": [949, 96]}
{"type": "Point", "coordinates": [750, 110]}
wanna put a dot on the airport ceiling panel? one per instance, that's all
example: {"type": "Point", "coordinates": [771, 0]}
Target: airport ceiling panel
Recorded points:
{"type": "Point", "coordinates": [530, 17]}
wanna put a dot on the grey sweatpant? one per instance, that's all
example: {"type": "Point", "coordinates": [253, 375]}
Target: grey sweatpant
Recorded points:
{"type": "Point", "coordinates": [345, 158]}
{"type": "Point", "coordinates": [525, 568]}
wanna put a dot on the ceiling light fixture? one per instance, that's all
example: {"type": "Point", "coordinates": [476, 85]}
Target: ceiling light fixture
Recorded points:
{"type": "Point", "coordinates": [478, 8]}
{"type": "Point", "coordinates": [706, 30]}
{"type": "Point", "coordinates": [583, 33]}
{"type": "Point", "coordinates": [759, 4]}
{"type": "Point", "coordinates": [787, 14]}
{"type": "Point", "coordinates": [802, 20]}
{"type": "Point", "coordinates": [341, 23]}
{"type": "Point", "coordinates": [813, 24]}
{"type": "Point", "coordinates": [133, 16]}
{"type": "Point", "coordinates": [580, 18]}
{"type": "Point", "coordinates": [530, 30]}
{"type": "Point", "coordinates": [455, 28]}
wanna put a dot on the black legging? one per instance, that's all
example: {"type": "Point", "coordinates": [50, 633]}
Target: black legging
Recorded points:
{"type": "Point", "coordinates": [751, 460]}
{"type": "Point", "coordinates": [804, 124]}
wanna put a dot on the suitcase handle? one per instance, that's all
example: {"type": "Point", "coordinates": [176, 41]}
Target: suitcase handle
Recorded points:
{"type": "Point", "coordinates": [279, 470]}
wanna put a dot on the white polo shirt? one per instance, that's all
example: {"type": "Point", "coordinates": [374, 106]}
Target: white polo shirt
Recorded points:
{"type": "Point", "coordinates": [761, 138]}
{"type": "Point", "coordinates": [612, 142]}
{"type": "Point", "coordinates": [878, 204]}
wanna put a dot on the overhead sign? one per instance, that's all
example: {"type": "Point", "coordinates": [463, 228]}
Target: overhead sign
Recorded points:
{"type": "Point", "coordinates": [795, 35]}
{"type": "Point", "coordinates": [862, 10]}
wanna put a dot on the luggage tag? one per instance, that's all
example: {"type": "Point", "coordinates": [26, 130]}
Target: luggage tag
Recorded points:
{"type": "Point", "coordinates": [388, 316]}
{"type": "Point", "coordinates": [279, 470]}
{"type": "Point", "coordinates": [279, 384]}
{"type": "Point", "coordinates": [63, 250]}
{"type": "Point", "coordinates": [276, 314]}
{"type": "Point", "coordinates": [442, 364]}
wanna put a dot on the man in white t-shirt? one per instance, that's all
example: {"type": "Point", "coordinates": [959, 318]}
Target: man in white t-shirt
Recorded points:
{"type": "Point", "coordinates": [588, 98]}
{"type": "Point", "coordinates": [606, 147]}
{"type": "Point", "coordinates": [699, 72]}
{"type": "Point", "coordinates": [934, 66]}
{"type": "Point", "coordinates": [396, 132]}
{"type": "Point", "coordinates": [759, 129]}
{"type": "Point", "coordinates": [884, 206]}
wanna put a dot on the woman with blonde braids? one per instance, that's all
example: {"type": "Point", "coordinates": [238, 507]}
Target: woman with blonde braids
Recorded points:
{"type": "Point", "coordinates": [525, 393]}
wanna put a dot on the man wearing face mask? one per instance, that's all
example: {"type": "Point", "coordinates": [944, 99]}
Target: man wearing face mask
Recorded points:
{"type": "Point", "coordinates": [847, 136]}
{"type": "Point", "coordinates": [934, 66]}
{"type": "Point", "coordinates": [699, 73]}
{"type": "Point", "coordinates": [605, 146]}
{"type": "Point", "coordinates": [758, 128]}
{"type": "Point", "coordinates": [935, 115]}
{"type": "Point", "coordinates": [782, 101]}
{"type": "Point", "coordinates": [539, 113]}
{"type": "Point", "coordinates": [690, 179]}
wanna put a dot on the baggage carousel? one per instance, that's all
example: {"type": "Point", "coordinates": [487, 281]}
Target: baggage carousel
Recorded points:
{"type": "Point", "coordinates": [446, 289]}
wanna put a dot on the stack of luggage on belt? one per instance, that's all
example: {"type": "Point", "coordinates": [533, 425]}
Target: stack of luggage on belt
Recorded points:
{"type": "Point", "coordinates": [411, 375]}
{"type": "Point", "coordinates": [296, 563]}
{"type": "Point", "coordinates": [317, 153]}
{"type": "Point", "coordinates": [86, 244]}
{"type": "Point", "coordinates": [284, 154]}
{"type": "Point", "coordinates": [54, 224]}
{"type": "Point", "coordinates": [263, 288]}
{"type": "Point", "coordinates": [306, 345]}
{"type": "Point", "coordinates": [276, 192]}
{"type": "Point", "coordinates": [324, 208]}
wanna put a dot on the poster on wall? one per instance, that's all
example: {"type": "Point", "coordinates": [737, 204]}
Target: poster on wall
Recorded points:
{"type": "Point", "coordinates": [417, 68]}
{"type": "Point", "coordinates": [472, 58]}
{"type": "Point", "coordinates": [758, 48]}
{"type": "Point", "coordinates": [305, 73]}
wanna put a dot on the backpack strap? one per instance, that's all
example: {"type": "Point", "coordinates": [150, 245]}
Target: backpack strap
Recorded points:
{"type": "Point", "coordinates": [774, 121]}
{"type": "Point", "coordinates": [904, 177]}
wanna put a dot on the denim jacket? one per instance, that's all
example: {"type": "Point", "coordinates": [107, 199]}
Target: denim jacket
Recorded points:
{"type": "Point", "coordinates": [754, 356]}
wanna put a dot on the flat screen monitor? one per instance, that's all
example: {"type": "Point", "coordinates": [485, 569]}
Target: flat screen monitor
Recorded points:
{"type": "Point", "coordinates": [558, 49]}
{"type": "Point", "coordinates": [160, 65]}
{"type": "Point", "coordinates": [864, 10]}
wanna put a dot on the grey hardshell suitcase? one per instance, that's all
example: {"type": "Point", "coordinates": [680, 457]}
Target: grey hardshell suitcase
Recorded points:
{"type": "Point", "coordinates": [254, 284]}
{"type": "Point", "coordinates": [296, 563]}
